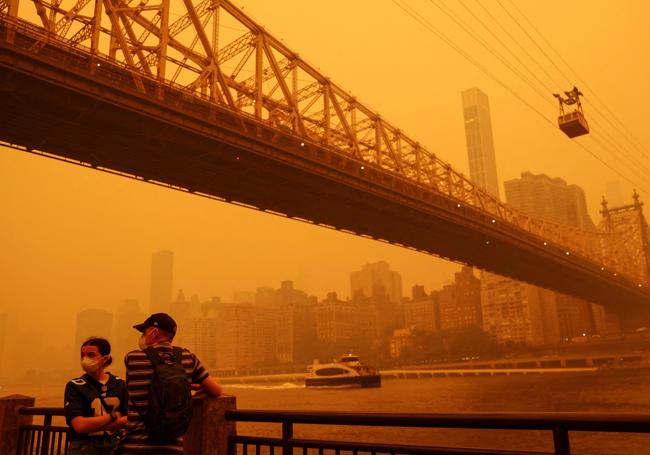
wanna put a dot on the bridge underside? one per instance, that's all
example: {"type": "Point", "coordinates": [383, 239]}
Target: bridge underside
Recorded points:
{"type": "Point", "coordinates": [214, 151]}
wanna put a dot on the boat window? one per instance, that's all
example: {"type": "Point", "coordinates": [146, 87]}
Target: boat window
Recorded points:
{"type": "Point", "coordinates": [330, 371]}
{"type": "Point", "coordinates": [349, 359]}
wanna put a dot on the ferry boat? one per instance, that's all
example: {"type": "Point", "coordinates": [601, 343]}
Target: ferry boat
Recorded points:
{"type": "Point", "coordinates": [347, 371]}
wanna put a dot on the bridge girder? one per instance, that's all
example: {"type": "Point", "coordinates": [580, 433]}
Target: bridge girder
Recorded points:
{"type": "Point", "coordinates": [286, 94]}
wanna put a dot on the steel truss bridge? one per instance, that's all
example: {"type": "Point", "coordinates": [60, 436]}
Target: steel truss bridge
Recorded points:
{"type": "Point", "coordinates": [197, 96]}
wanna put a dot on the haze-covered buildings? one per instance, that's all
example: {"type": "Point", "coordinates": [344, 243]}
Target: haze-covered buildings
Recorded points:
{"type": "Point", "coordinates": [520, 312]}
{"type": "Point", "coordinates": [460, 303]}
{"type": "Point", "coordinates": [374, 276]}
{"type": "Point", "coordinates": [162, 273]}
{"type": "Point", "coordinates": [125, 337]}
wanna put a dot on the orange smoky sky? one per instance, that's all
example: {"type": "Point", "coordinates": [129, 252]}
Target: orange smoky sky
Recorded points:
{"type": "Point", "coordinates": [74, 238]}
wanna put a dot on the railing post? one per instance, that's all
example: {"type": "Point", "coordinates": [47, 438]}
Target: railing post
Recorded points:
{"type": "Point", "coordinates": [209, 430]}
{"type": "Point", "coordinates": [287, 435]}
{"type": "Point", "coordinates": [10, 421]}
{"type": "Point", "coordinates": [561, 441]}
{"type": "Point", "coordinates": [45, 442]}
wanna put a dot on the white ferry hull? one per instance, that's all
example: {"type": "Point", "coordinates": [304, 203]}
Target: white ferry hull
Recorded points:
{"type": "Point", "coordinates": [344, 381]}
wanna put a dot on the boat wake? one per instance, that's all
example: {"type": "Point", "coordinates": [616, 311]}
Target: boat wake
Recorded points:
{"type": "Point", "coordinates": [285, 385]}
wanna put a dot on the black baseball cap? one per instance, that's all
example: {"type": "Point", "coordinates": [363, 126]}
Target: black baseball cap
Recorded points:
{"type": "Point", "coordinates": [161, 321]}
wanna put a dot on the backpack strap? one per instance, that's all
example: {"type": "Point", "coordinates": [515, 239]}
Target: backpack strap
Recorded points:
{"type": "Point", "coordinates": [153, 356]}
{"type": "Point", "coordinates": [177, 356]}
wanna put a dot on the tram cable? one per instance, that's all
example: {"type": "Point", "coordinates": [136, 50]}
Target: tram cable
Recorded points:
{"type": "Point", "coordinates": [607, 147]}
{"type": "Point", "coordinates": [516, 41]}
{"type": "Point", "coordinates": [623, 133]}
{"type": "Point", "coordinates": [505, 46]}
{"type": "Point", "coordinates": [471, 32]}
{"type": "Point", "coordinates": [636, 162]}
{"type": "Point", "coordinates": [431, 28]}
{"type": "Point", "coordinates": [418, 17]}
{"type": "Point", "coordinates": [607, 137]}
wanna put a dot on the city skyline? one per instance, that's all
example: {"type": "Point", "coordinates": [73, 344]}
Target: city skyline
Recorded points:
{"type": "Point", "coordinates": [79, 230]}
{"type": "Point", "coordinates": [440, 204]}
{"type": "Point", "coordinates": [207, 322]}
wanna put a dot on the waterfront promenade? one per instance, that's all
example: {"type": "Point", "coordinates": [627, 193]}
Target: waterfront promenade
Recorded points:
{"type": "Point", "coordinates": [595, 394]}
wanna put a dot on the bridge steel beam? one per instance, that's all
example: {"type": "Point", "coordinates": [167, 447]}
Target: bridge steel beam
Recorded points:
{"type": "Point", "coordinates": [52, 103]}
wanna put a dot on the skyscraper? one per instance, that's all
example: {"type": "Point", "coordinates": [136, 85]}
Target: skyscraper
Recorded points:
{"type": "Point", "coordinates": [162, 272]}
{"type": "Point", "coordinates": [236, 336]}
{"type": "Point", "coordinates": [245, 336]}
{"type": "Point", "coordinates": [335, 319]}
{"type": "Point", "coordinates": [421, 313]}
{"type": "Point", "coordinates": [296, 322]}
{"type": "Point", "coordinates": [516, 312]}
{"type": "Point", "coordinates": [200, 335]}
{"type": "Point", "coordinates": [553, 199]}
{"type": "Point", "coordinates": [372, 278]}
{"type": "Point", "coordinates": [480, 143]}
{"type": "Point", "coordinates": [460, 303]}
{"type": "Point", "coordinates": [549, 198]}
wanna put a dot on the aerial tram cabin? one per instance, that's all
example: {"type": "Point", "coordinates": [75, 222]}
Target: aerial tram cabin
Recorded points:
{"type": "Point", "coordinates": [573, 123]}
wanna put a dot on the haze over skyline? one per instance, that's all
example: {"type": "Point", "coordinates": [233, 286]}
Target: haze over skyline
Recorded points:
{"type": "Point", "coordinates": [75, 238]}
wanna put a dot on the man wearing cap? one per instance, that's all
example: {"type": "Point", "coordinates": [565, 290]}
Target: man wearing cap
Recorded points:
{"type": "Point", "coordinates": [158, 331]}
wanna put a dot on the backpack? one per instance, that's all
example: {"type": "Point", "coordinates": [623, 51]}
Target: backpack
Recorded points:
{"type": "Point", "coordinates": [170, 398]}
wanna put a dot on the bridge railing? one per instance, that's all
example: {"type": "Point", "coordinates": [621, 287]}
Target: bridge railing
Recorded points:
{"type": "Point", "coordinates": [45, 438]}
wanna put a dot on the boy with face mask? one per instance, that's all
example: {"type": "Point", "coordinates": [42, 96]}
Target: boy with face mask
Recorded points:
{"type": "Point", "coordinates": [95, 403]}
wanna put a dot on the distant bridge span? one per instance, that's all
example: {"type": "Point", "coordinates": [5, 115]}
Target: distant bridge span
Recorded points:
{"type": "Point", "coordinates": [276, 143]}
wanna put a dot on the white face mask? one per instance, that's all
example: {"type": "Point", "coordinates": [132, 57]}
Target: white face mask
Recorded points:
{"type": "Point", "coordinates": [90, 366]}
{"type": "Point", "coordinates": [142, 343]}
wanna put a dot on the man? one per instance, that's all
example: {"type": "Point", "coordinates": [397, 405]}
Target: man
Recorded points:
{"type": "Point", "coordinates": [158, 331]}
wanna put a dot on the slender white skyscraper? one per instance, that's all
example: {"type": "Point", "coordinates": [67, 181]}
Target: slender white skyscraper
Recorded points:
{"type": "Point", "coordinates": [162, 272]}
{"type": "Point", "coordinates": [480, 144]}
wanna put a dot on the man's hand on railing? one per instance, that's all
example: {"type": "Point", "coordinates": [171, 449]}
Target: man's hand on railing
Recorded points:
{"type": "Point", "coordinates": [208, 388]}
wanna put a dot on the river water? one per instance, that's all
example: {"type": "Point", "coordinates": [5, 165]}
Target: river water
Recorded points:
{"type": "Point", "coordinates": [602, 391]}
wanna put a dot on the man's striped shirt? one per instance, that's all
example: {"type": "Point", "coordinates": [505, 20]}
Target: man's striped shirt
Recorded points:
{"type": "Point", "coordinates": [139, 374]}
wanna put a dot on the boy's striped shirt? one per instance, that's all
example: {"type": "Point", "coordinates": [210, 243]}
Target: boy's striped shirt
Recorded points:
{"type": "Point", "coordinates": [139, 374]}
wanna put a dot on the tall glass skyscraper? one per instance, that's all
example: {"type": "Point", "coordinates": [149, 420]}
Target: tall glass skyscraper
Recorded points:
{"type": "Point", "coordinates": [512, 311]}
{"type": "Point", "coordinates": [480, 144]}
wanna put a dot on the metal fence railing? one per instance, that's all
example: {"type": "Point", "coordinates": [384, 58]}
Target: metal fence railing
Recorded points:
{"type": "Point", "coordinates": [557, 424]}
{"type": "Point", "coordinates": [49, 439]}
{"type": "Point", "coordinates": [45, 438]}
